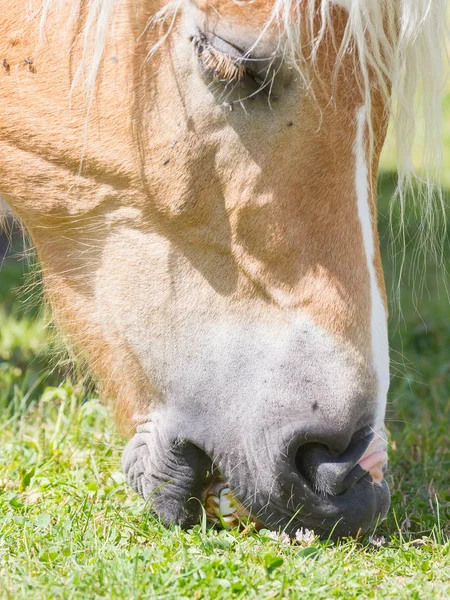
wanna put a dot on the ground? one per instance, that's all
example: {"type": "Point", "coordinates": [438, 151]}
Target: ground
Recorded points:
{"type": "Point", "coordinates": [71, 528]}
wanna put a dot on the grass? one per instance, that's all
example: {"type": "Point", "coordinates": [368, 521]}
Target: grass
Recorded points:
{"type": "Point", "coordinates": [71, 528]}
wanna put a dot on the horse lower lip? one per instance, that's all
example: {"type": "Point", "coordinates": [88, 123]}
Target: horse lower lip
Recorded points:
{"type": "Point", "coordinates": [346, 514]}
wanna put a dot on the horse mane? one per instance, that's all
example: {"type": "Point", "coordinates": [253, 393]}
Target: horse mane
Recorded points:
{"type": "Point", "coordinates": [402, 42]}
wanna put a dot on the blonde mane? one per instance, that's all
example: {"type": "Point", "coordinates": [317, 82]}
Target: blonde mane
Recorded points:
{"type": "Point", "coordinates": [400, 41]}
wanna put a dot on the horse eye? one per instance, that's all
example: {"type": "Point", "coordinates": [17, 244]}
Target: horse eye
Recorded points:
{"type": "Point", "coordinates": [227, 64]}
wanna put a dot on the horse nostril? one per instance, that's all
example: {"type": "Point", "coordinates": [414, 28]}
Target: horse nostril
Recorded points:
{"type": "Point", "coordinates": [329, 472]}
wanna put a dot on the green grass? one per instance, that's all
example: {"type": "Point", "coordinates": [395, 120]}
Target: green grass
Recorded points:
{"type": "Point", "coordinates": [71, 528]}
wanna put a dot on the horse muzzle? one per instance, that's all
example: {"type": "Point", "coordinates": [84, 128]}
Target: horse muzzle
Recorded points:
{"type": "Point", "coordinates": [308, 485]}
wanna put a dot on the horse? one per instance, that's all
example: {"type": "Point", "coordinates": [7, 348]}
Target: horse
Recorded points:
{"type": "Point", "coordinates": [198, 178]}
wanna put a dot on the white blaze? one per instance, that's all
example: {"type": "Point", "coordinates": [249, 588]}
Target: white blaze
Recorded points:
{"type": "Point", "coordinates": [380, 345]}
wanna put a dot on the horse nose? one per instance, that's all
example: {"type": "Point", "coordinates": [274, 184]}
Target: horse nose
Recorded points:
{"type": "Point", "coordinates": [328, 470]}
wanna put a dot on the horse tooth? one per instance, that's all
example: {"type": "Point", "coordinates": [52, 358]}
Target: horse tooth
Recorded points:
{"type": "Point", "coordinates": [226, 503]}
{"type": "Point", "coordinates": [231, 521]}
{"type": "Point", "coordinates": [212, 505]}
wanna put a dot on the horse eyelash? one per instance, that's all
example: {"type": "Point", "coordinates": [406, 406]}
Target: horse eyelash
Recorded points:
{"type": "Point", "coordinates": [222, 65]}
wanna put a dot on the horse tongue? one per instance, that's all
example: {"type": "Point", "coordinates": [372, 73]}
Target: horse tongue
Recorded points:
{"type": "Point", "coordinates": [375, 457]}
{"type": "Point", "coordinates": [374, 464]}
